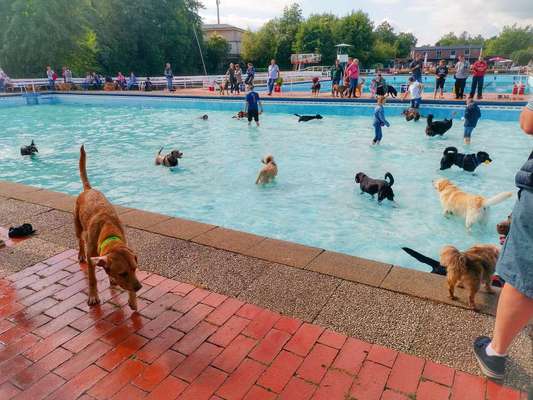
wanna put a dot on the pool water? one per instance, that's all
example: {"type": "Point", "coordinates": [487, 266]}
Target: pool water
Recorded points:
{"type": "Point", "coordinates": [313, 201]}
{"type": "Point", "coordinates": [501, 84]}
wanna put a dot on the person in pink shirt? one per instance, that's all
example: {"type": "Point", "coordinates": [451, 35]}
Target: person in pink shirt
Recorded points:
{"type": "Point", "coordinates": [479, 68]}
{"type": "Point", "coordinates": [352, 71]}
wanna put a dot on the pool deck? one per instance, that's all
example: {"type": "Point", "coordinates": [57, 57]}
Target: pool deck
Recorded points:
{"type": "Point", "coordinates": [449, 99]}
{"type": "Point", "coordinates": [230, 315]}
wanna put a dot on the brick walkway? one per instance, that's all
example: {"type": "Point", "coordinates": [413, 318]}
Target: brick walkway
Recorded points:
{"type": "Point", "coordinates": [189, 343]}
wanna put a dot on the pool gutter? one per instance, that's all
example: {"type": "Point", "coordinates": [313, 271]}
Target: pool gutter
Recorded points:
{"type": "Point", "coordinates": [349, 268]}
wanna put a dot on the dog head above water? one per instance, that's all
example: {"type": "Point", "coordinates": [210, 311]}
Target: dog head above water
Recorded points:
{"type": "Point", "coordinates": [268, 159]}
{"type": "Point", "coordinates": [442, 184]}
{"type": "Point", "coordinates": [29, 150]}
{"type": "Point", "coordinates": [483, 157]}
{"type": "Point", "coordinates": [318, 116]}
{"type": "Point", "coordinates": [359, 177]}
{"type": "Point", "coordinates": [120, 264]}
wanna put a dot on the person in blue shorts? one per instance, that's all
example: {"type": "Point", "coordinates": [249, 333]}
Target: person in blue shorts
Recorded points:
{"type": "Point", "coordinates": [515, 266]}
{"type": "Point", "coordinates": [253, 106]}
{"type": "Point", "coordinates": [472, 115]}
{"type": "Point", "coordinates": [379, 120]}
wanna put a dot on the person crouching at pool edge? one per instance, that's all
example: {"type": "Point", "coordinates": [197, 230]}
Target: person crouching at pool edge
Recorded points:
{"type": "Point", "coordinates": [253, 106]}
{"type": "Point", "coordinates": [379, 120]}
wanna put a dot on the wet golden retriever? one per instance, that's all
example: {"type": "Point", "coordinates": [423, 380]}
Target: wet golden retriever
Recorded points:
{"type": "Point", "coordinates": [469, 268]}
{"type": "Point", "coordinates": [268, 172]}
{"type": "Point", "coordinates": [471, 207]}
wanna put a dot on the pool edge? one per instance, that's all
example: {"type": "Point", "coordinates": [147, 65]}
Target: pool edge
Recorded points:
{"type": "Point", "coordinates": [345, 267]}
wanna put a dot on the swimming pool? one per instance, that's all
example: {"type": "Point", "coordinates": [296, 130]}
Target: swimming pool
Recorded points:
{"type": "Point", "coordinates": [501, 84]}
{"type": "Point", "coordinates": [314, 201]}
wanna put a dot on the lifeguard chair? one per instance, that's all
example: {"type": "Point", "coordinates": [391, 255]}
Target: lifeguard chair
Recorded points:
{"type": "Point", "coordinates": [301, 60]}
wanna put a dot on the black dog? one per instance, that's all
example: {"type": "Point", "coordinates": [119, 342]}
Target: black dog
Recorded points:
{"type": "Point", "coordinates": [305, 118]}
{"type": "Point", "coordinates": [391, 91]}
{"type": "Point", "coordinates": [435, 128]}
{"type": "Point", "coordinates": [169, 160]}
{"type": "Point", "coordinates": [29, 150]}
{"type": "Point", "coordinates": [468, 162]}
{"type": "Point", "coordinates": [372, 186]}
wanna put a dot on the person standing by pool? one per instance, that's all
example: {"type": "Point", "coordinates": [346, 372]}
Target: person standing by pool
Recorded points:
{"type": "Point", "coordinates": [461, 74]}
{"type": "Point", "coordinates": [415, 90]}
{"type": "Point", "coordinates": [273, 75]}
{"type": "Point", "coordinates": [479, 69]}
{"type": "Point", "coordinates": [238, 79]}
{"type": "Point", "coordinates": [50, 75]}
{"type": "Point", "coordinates": [441, 72]}
{"type": "Point", "coordinates": [132, 82]}
{"type": "Point", "coordinates": [336, 76]}
{"type": "Point", "coordinates": [230, 76]}
{"type": "Point", "coordinates": [352, 70]}
{"type": "Point", "coordinates": [472, 115]}
{"type": "Point", "coordinates": [416, 68]}
{"type": "Point", "coordinates": [168, 76]}
{"type": "Point", "coordinates": [379, 120]}
{"type": "Point", "coordinates": [250, 75]}
{"type": "Point", "coordinates": [3, 80]}
{"type": "Point", "coordinates": [253, 106]}
{"type": "Point", "coordinates": [515, 266]}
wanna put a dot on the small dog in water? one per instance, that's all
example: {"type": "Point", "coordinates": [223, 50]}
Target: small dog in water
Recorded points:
{"type": "Point", "coordinates": [469, 268]}
{"type": "Point", "coordinates": [438, 128]}
{"type": "Point", "coordinates": [468, 162]}
{"type": "Point", "coordinates": [411, 114]}
{"type": "Point", "coordinates": [383, 188]}
{"type": "Point", "coordinates": [268, 172]}
{"type": "Point", "coordinates": [305, 118]}
{"type": "Point", "coordinates": [471, 207]}
{"type": "Point", "coordinates": [29, 150]}
{"type": "Point", "coordinates": [240, 115]}
{"type": "Point", "coordinates": [168, 160]}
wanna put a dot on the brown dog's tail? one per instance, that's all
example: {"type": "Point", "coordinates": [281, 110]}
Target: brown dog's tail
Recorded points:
{"type": "Point", "coordinates": [453, 260]}
{"type": "Point", "coordinates": [83, 170]}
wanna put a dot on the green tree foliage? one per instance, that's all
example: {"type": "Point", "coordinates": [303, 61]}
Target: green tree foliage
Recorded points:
{"type": "Point", "coordinates": [385, 33]}
{"type": "Point", "coordinates": [404, 42]}
{"type": "Point", "coordinates": [356, 29]}
{"type": "Point", "coordinates": [217, 49]}
{"type": "Point", "coordinates": [259, 47]}
{"type": "Point", "coordinates": [451, 39]}
{"type": "Point", "coordinates": [511, 39]}
{"type": "Point", "coordinates": [40, 33]}
{"type": "Point", "coordinates": [287, 26]}
{"type": "Point", "coordinates": [523, 57]}
{"type": "Point", "coordinates": [317, 35]}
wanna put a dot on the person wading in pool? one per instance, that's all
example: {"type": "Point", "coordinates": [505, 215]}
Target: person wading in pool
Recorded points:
{"type": "Point", "coordinates": [253, 106]}
{"type": "Point", "coordinates": [379, 120]}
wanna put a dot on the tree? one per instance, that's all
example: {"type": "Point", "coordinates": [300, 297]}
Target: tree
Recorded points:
{"type": "Point", "coordinates": [259, 47]}
{"type": "Point", "coordinates": [511, 39]}
{"type": "Point", "coordinates": [287, 27]}
{"type": "Point", "coordinates": [356, 29]}
{"type": "Point", "coordinates": [523, 57]}
{"type": "Point", "coordinates": [451, 39]}
{"type": "Point", "coordinates": [316, 35]}
{"type": "Point", "coordinates": [385, 33]}
{"type": "Point", "coordinates": [41, 33]}
{"type": "Point", "coordinates": [404, 43]}
{"type": "Point", "coordinates": [383, 52]}
{"type": "Point", "coordinates": [217, 49]}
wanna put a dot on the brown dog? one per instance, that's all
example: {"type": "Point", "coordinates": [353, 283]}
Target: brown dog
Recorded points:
{"type": "Point", "coordinates": [469, 268]}
{"type": "Point", "coordinates": [102, 241]}
{"type": "Point", "coordinates": [268, 172]}
{"type": "Point", "coordinates": [168, 160]}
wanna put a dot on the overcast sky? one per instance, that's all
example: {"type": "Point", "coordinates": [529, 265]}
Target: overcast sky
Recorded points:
{"type": "Point", "coordinates": [427, 19]}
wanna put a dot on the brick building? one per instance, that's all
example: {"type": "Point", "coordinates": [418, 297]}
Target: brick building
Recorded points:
{"type": "Point", "coordinates": [448, 53]}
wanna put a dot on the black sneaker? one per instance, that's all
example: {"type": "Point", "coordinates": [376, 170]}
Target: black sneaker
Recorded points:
{"type": "Point", "coordinates": [491, 366]}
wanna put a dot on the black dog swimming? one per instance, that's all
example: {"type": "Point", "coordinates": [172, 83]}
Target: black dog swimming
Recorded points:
{"type": "Point", "coordinates": [438, 128]}
{"type": "Point", "coordinates": [305, 118]}
{"type": "Point", "coordinates": [411, 114]}
{"type": "Point", "coordinates": [29, 150]}
{"type": "Point", "coordinates": [383, 188]}
{"type": "Point", "coordinates": [468, 162]}
{"type": "Point", "coordinates": [168, 160]}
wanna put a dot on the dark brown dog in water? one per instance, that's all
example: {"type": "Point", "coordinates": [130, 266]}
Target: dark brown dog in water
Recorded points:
{"type": "Point", "coordinates": [168, 160]}
{"type": "Point", "coordinates": [102, 241]}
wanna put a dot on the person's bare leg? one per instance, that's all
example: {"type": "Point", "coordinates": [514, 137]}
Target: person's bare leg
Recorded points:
{"type": "Point", "coordinates": [512, 315]}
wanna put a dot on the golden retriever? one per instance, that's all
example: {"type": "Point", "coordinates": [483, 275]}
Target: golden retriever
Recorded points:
{"type": "Point", "coordinates": [268, 172]}
{"type": "Point", "coordinates": [469, 268]}
{"type": "Point", "coordinates": [471, 207]}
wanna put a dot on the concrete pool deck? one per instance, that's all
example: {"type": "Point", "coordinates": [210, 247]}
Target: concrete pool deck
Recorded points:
{"type": "Point", "coordinates": [401, 309]}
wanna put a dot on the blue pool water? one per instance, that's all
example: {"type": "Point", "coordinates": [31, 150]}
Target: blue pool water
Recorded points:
{"type": "Point", "coordinates": [314, 200]}
{"type": "Point", "coordinates": [501, 84]}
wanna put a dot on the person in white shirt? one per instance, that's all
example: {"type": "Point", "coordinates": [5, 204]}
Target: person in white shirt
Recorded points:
{"type": "Point", "coordinates": [415, 91]}
{"type": "Point", "coordinates": [273, 75]}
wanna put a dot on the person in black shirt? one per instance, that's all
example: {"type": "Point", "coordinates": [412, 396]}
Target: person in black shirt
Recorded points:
{"type": "Point", "coordinates": [416, 68]}
{"type": "Point", "coordinates": [440, 77]}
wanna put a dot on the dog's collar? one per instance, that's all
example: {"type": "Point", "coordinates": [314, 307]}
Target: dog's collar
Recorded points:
{"type": "Point", "coordinates": [106, 242]}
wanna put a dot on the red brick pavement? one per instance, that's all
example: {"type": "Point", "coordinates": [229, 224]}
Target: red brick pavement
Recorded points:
{"type": "Point", "coordinates": [189, 343]}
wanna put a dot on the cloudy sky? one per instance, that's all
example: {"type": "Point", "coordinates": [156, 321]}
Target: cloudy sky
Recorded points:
{"type": "Point", "coordinates": [427, 19]}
